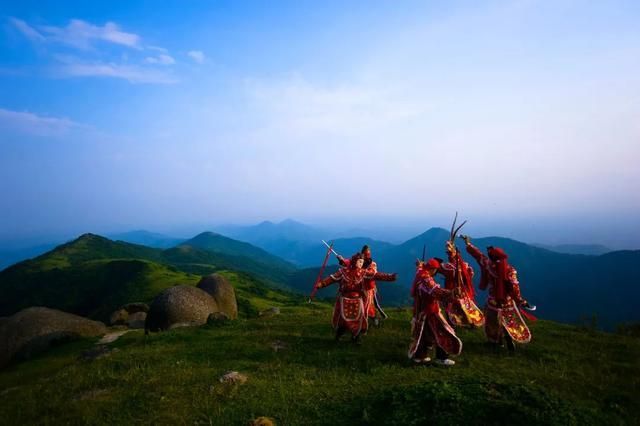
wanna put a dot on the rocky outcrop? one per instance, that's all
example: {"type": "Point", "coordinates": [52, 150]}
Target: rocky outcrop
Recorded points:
{"type": "Point", "coordinates": [35, 329]}
{"type": "Point", "coordinates": [127, 314]}
{"type": "Point", "coordinates": [222, 292]}
{"type": "Point", "coordinates": [179, 305]}
{"type": "Point", "coordinates": [136, 320]}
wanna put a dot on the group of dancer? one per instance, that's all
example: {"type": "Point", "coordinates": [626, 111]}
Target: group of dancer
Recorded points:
{"type": "Point", "coordinates": [357, 302]}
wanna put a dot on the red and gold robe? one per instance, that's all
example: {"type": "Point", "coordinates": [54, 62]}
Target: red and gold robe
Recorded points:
{"type": "Point", "coordinates": [502, 312]}
{"type": "Point", "coordinates": [352, 303]}
{"type": "Point", "coordinates": [461, 311]}
{"type": "Point", "coordinates": [429, 326]}
{"type": "Point", "coordinates": [369, 285]}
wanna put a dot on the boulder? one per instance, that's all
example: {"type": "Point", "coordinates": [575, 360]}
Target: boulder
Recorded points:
{"type": "Point", "coordinates": [35, 329]}
{"type": "Point", "coordinates": [132, 308]}
{"type": "Point", "coordinates": [222, 291]}
{"type": "Point", "coordinates": [180, 304]}
{"type": "Point", "coordinates": [119, 317]}
{"type": "Point", "coordinates": [137, 319]}
{"type": "Point", "coordinates": [218, 318]}
{"type": "Point", "coordinates": [123, 315]}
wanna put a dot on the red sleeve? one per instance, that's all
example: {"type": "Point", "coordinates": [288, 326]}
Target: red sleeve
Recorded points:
{"type": "Point", "coordinates": [435, 291]}
{"type": "Point", "coordinates": [447, 270]}
{"type": "Point", "coordinates": [381, 276]}
{"type": "Point", "coordinates": [515, 287]}
{"type": "Point", "coordinates": [333, 278]}
{"type": "Point", "coordinates": [476, 253]}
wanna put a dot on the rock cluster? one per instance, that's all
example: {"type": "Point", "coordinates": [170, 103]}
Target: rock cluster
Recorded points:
{"type": "Point", "coordinates": [35, 329]}
{"type": "Point", "coordinates": [133, 315]}
{"type": "Point", "coordinates": [183, 305]}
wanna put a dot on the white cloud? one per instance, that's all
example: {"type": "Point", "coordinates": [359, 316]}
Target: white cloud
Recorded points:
{"type": "Point", "coordinates": [33, 124]}
{"type": "Point", "coordinates": [81, 34]}
{"type": "Point", "coordinates": [161, 59]}
{"type": "Point", "coordinates": [131, 73]}
{"type": "Point", "coordinates": [78, 33]}
{"type": "Point", "coordinates": [26, 30]}
{"type": "Point", "coordinates": [197, 56]}
{"type": "Point", "coordinates": [157, 49]}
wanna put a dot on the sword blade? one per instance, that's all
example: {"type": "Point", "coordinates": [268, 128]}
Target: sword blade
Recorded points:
{"type": "Point", "coordinates": [330, 248]}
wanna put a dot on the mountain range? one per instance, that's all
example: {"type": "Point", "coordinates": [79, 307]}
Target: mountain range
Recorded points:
{"type": "Point", "coordinates": [93, 274]}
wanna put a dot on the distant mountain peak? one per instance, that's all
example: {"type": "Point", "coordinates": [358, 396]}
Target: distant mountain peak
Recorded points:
{"type": "Point", "coordinates": [90, 236]}
{"type": "Point", "coordinates": [207, 234]}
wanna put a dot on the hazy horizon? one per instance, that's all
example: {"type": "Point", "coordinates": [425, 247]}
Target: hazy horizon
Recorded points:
{"type": "Point", "coordinates": [393, 231]}
{"type": "Point", "coordinates": [523, 115]}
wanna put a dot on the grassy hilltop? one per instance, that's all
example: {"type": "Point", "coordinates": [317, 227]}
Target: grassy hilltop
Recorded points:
{"type": "Point", "coordinates": [297, 374]}
{"type": "Point", "coordinates": [565, 376]}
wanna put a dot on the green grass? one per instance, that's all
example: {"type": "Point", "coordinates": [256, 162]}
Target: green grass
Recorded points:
{"type": "Point", "coordinates": [565, 376]}
{"type": "Point", "coordinates": [93, 276]}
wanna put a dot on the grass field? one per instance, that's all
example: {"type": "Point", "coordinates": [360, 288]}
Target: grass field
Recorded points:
{"type": "Point", "coordinates": [565, 376]}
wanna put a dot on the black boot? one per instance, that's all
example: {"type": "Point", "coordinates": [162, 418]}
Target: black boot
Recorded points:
{"type": "Point", "coordinates": [510, 345]}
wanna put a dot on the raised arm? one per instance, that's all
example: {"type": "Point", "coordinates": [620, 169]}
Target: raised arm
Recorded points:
{"type": "Point", "coordinates": [381, 276]}
{"type": "Point", "coordinates": [333, 278]}
{"type": "Point", "coordinates": [475, 252]}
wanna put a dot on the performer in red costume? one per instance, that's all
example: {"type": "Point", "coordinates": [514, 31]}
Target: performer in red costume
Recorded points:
{"type": "Point", "coordinates": [503, 316]}
{"type": "Point", "coordinates": [458, 274]}
{"type": "Point", "coordinates": [350, 311]}
{"type": "Point", "coordinates": [370, 285]}
{"type": "Point", "coordinates": [429, 327]}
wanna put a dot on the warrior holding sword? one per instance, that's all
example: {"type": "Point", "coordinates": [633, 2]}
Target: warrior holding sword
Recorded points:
{"type": "Point", "coordinates": [351, 311]}
{"type": "Point", "coordinates": [372, 290]}
{"type": "Point", "coordinates": [505, 306]}
{"type": "Point", "coordinates": [461, 311]}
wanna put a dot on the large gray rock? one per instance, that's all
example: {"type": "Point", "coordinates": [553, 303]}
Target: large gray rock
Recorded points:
{"type": "Point", "coordinates": [223, 293]}
{"type": "Point", "coordinates": [35, 329]}
{"type": "Point", "coordinates": [179, 304]}
{"type": "Point", "coordinates": [119, 317]}
{"type": "Point", "coordinates": [127, 314]}
{"type": "Point", "coordinates": [137, 320]}
{"type": "Point", "coordinates": [132, 308]}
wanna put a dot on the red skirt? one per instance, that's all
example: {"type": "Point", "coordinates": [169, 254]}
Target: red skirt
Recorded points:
{"type": "Point", "coordinates": [351, 313]}
{"type": "Point", "coordinates": [430, 329]}
{"type": "Point", "coordinates": [463, 312]}
{"type": "Point", "coordinates": [507, 318]}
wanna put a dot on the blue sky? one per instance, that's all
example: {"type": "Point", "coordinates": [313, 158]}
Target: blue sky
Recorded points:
{"type": "Point", "coordinates": [523, 115]}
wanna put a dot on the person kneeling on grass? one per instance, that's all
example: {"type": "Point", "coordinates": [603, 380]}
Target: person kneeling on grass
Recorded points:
{"type": "Point", "coordinates": [428, 326]}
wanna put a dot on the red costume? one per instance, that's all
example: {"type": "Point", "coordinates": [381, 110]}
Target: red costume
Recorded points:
{"type": "Point", "coordinates": [461, 311]}
{"type": "Point", "coordinates": [429, 326]}
{"type": "Point", "coordinates": [352, 302]}
{"type": "Point", "coordinates": [370, 284]}
{"type": "Point", "coordinates": [502, 313]}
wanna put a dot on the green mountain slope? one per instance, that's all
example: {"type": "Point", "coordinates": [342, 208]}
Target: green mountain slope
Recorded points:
{"type": "Point", "coordinates": [92, 275]}
{"type": "Point", "coordinates": [217, 243]}
{"type": "Point", "coordinates": [565, 376]}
